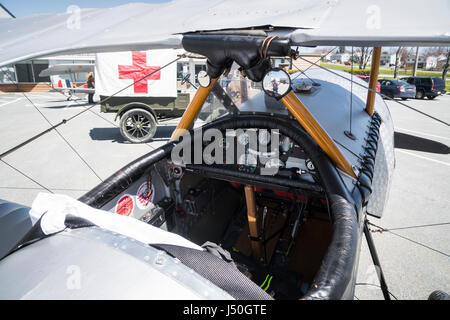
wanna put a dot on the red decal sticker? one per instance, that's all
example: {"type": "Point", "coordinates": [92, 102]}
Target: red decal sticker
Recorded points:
{"type": "Point", "coordinates": [144, 196]}
{"type": "Point", "coordinates": [125, 205]}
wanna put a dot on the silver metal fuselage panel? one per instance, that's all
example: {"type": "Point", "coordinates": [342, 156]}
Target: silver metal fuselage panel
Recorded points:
{"type": "Point", "coordinates": [93, 263]}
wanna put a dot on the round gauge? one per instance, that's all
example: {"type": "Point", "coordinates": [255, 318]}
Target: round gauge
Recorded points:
{"type": "Point", "coordinates": [243, 139]}
{"type": "Point", "coordinates": [274, 163]}
{"type": "Point", "coordinates": [286, 144]}
{"type": "Point", "coordinates": [203, 78]}
{"type": "Point", "coordinates": [264, 137]}
{"type": "Point", "coordinates": [310, 165]}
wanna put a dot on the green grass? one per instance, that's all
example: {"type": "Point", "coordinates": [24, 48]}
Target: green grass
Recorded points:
{"type": "Point", "coordinates": [356, 70]}
{"type": "Point", "coordinates": [383, 72]}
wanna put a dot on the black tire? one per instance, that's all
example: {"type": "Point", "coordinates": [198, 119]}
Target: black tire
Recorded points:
{"type": "Point", "coordinates": [404, 98]}
{"type": "Point", "coordinates": [439, 295]}
{"type": "Point", "coordinates": [420, 94]}
{"type": "Point", "coordinates": [431, 97]}
{"type": "Point", "coordinates": [138, 125]}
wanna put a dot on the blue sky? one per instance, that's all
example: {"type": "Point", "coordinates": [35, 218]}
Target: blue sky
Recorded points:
{"type": "Point", "coordinates": [23, 8]}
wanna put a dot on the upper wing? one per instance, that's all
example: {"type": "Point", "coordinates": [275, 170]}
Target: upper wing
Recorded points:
{"type": "Point", "coordinates": [66, 69]}
{"type": "Point", "coordinates": [139, 26]}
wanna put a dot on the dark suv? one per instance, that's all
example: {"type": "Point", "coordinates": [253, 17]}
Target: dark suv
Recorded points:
{"type": "Point", "coordinates": [429, 87]}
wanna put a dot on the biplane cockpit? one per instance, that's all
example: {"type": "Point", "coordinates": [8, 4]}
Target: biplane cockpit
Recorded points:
{"type": "Point", "coordinates": [262, 191]}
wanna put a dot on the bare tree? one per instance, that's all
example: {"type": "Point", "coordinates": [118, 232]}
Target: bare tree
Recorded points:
{"type": "Point", "coordinates": [398, 56]}
{"type": "Point", "coordinates": [365, 56]}
{"type": "Point", "coordinates": [368, 55]}
{"type": "Point", "coordinates": [446, 65]}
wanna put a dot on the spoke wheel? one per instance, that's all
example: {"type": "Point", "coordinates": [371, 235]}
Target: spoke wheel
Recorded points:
{"type": "Point", "coordinates": [138, 125]}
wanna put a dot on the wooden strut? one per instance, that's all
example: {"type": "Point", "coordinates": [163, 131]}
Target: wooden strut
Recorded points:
{"type": "Point", "coordinates": [310, 124]}
{"type": "Point", "coordinates": [374, 69]}
{"type": "Point", "coordinates": [295, 107]}
{"type": "Point", "coordinates": [253, 222]}
{"type": "Point", "coordinates": [192, 110]}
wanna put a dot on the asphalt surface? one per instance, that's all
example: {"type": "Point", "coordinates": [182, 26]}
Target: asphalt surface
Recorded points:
{"type": "Point", "coordinates": [414, 251]}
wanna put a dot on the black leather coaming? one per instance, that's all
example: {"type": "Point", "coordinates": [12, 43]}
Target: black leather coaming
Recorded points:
{"type": "Point", "coordinates": [336, 271]}
{"type": "Point", "coordinates": [222, 50]}
{"type": "Point", "coordinates": [334, 275]}
{"type": "Point", "coordinates": [123, 178]}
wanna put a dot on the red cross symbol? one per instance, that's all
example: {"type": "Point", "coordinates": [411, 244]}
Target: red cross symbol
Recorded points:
{"type": "Point", "coordinates": [138, 70]}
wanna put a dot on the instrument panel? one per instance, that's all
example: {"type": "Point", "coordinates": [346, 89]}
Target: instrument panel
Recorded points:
{"type": "Point", "coordinates": [259, 152]}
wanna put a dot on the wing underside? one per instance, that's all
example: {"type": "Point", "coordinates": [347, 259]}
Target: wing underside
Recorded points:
{"type": "Point", "coordinates": [140, 26]}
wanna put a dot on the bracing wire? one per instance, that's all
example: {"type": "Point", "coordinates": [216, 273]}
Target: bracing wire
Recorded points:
{"type": "Point", "coordinates": [406, 238]}
{"type": "Point", "coordinates": [62, 137]}
{"type": "Point", "coordinates": [64, 121]}
{"type": "Point", "coordinates": [303, 71]}
{"type": "Point", "coordinates": [351, 93]}
{"type": "Point", "coordinates": [384, 96]}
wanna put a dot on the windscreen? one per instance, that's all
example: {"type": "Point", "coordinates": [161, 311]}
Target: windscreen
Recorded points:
{"type": "Point", "coordinates": [238, 88]}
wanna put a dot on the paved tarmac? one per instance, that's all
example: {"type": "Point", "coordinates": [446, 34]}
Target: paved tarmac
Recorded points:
{"type": "Point", "coordinates": [414, 252]}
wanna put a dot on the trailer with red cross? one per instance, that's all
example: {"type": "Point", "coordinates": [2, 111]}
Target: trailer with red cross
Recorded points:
{"type": "Point", "coordinates": [149, 93]}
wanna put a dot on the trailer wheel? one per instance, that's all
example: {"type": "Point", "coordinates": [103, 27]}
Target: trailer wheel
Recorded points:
{"type": "Point", "coordinates": [138, 125]}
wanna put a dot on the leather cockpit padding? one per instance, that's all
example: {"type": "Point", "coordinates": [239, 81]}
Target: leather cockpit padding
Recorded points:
{"type": "Point", "coordinates": [335, 277]}
{"type": "Point", "coordinates": [335, 273]}
{"type": "Point", "coordinates": [222, 50]}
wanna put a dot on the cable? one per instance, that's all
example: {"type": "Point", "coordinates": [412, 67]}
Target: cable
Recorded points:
{"type": "Point", "coordinates": [403, 237]}
{"type": "Point", "coordinates": [26, 176]}
{"type": "Point", "coordinates": [351, 95]}
{"type": "Point", "coordinates": [303, 72]}
{"type": "Point", "coordinates": [87, 109]}
{"type": "Point", "coordinates": [67, 142]}
{"type": "Point", "coordinates": [374, 285]}
{"type": "Point", "coordinates": [35, 188]}
{"type": "Point", "coordinates": [100, 116]}
{"type": "Point", "coordinates": [382, 95]}
{"type": "Point", "coordinates": [421, 226]}
{"type": "Point", "coordinates": [53, 127]}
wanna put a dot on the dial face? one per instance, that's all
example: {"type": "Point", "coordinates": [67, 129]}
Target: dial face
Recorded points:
{"type": "Point", "coordinates": [310, 165]}
{"type": "Point", "coordinates": [274, 163]}
{"type": "Point", "coordinates": [264, 137]}
{"type": "Point", "coordinates": [286, 144]}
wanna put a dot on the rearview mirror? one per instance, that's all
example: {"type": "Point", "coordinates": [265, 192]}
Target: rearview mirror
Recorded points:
{"type": "Point", "coordinates": [276, 83]}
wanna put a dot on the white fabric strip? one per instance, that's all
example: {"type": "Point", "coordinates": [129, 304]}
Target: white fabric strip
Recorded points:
{"type": "Point", "coordinates": [53, 208]}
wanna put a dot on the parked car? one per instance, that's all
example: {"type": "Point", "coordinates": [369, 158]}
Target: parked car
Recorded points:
{"type": "Point", "coordinates": [397, 89]}
{"type": "Point", "coordinates": [429, 87]}
{"type": "Point", "coordinates": [366, 79]}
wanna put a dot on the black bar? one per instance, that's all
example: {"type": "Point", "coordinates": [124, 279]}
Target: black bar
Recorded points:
{"type": "Point", "coordinates": [376, 261]}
